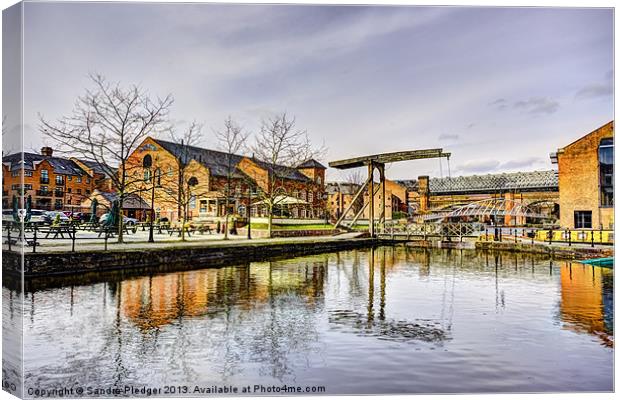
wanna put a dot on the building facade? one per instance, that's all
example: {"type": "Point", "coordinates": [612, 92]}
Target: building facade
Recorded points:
{"type": "Point", "coordinates": [586, 180]}
{"type": "Point", "coordinates": [339, 197]}
{"type": "Point", "coordinates": [54, 183]}
{"type": "Point", "coordinates": [215, 180]}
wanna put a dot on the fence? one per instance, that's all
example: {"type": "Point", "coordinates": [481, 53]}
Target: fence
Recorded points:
{"type": "Point", "coordinates": [568, 236]}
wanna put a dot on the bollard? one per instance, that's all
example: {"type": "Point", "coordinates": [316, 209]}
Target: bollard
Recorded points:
{"type": "Point", "coordinates": [106, 241]}
{"type": "Point", "coordinates": [569, 238]}
{"type": "Point", "coordinates": [592, 238]}
{"type": "Point", "coordinates": [34, 242]}
{"type": "Point", "coordinates": [73, 240]}
{"type": "Point", "coordinates": [550, 236]}
{"type": "Point", "coordinates": [486, 234]}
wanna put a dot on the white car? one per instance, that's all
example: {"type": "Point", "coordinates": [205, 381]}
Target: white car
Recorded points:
{"type": "Point", "coordinates": [51, 216]}
{"type": "Point", "coordinates": [36, 216]}
{"type": "Point", "coordinates": [126, 220]}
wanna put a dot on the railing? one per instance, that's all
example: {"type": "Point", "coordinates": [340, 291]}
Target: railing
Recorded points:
{"type": "Point", "coordinates": [533, 235]}
{"type": "Point", "coordinates": [44, 193]}
{"type": "Point", "coordinates": [44, 180]}
{"type": "Point", "coordinates": [59, 193]}
{"type": "Point", "coordinates": [424, 230]}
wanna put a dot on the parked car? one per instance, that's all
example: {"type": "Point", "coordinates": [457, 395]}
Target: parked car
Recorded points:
{"type": "Point", "coordinates": [51, 216]}
{"type": "Point", "coordinates": [126, 220]}
{"type": "Point", "coordinates": [36, 216]}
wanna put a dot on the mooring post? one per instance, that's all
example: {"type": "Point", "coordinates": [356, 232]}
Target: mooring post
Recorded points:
{"type": "Point", "coordinates": [73, 240]}
{"type": "Point", "coordinates": [570, 240]}
{"type": "Point", "coordinates": [533, 234]}
{"type": "Point", "coordinates": [106, 241]}
{"type": "Point", "coordinates": [550, 236]}
{"type": "Point", "coordinates": [592, 238]}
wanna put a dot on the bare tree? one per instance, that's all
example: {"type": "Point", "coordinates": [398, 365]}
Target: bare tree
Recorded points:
{"type": "Point", "coordinates": [185, 186]}
{"type": "Point", "coordinates": [231, 140]}
{"type": "Point", "coordinates": [280, 146]}
{"type": "Point", "coordinates": [355, 179]}
{"type": "Point", "coordinates": [105, 126]}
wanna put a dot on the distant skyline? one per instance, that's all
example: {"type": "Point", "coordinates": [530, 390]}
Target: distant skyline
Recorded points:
{"type": "Point", "coordinates": [499, 88]}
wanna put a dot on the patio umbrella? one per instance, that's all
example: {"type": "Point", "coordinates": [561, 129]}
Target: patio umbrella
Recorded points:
{"type": "Point", "coordinates": [28, 209]}
{"type": "Point", "coordinates": [93, 210]}
{"type": "Point", "coordinates": [282, 200]}
{"type": "Point", "coordinates": [15, 212]}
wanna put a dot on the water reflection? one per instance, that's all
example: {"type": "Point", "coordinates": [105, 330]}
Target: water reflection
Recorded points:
{"type": "Point", "coordinates": [587, 300]}
{"type": "Point", "coordinates": [423, 321]}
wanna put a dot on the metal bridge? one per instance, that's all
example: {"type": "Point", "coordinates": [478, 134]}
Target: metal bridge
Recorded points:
{"type": "Point", "coordinates": [447, 230]}
{"type": "Point", "coordinates": [488, 207]}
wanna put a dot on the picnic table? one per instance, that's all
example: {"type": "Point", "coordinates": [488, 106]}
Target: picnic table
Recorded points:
{"type": "Point", "coordinates": [57, 230]}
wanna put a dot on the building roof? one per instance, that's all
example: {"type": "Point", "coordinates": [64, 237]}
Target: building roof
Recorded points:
{"type": "Point", "coordinates": [341, 187]}
{"type": "Point", "coordinates": [311, 163]}
{"type": "Point", "coordinates": [131, 201]}
{"type": "Point", "coordinates": [217, 161]}
{"type": "Point", "coordinates": [535, 180]}
{"type": "Point", "coordinates": [60, 165]}
{"type": "Point", "coordinates": [95, 166]}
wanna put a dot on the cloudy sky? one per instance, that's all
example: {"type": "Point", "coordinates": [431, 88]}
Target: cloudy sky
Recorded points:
{"type": "Point", "coordinates": [500, 88]}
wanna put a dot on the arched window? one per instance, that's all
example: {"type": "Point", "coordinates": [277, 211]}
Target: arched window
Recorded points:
{"type": "Point", "coordinates": [606, 171]}
{"type": "Point", "coordinates": [147, 161]}
{"type": "Point", "coordinates": [158, 176]}
{"type": "Point", "coordinates": [193, 181]}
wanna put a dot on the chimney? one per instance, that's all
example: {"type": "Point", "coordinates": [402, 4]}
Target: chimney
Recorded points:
{"type": "Point", "coordinates": [47, 151]}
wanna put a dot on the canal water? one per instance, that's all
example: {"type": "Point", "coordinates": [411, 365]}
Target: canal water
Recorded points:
{"type": "Point", "coordinates": [384, 320]}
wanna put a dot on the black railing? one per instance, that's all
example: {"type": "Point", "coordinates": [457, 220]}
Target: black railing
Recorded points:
{"type": "Point", "coordinates": [44, 193]}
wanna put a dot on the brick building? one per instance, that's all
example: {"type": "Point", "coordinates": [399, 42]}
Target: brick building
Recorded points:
{"type": "Point", "coordinates": [209, 172]}
{"type": "Point", "coordinates": [55, 183]}
{"type": "Point", "coordinates": [339, 197]}
{"type": "Point", "coordinates": [586, 180]}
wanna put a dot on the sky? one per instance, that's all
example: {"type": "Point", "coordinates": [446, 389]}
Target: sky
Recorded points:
{"type": "Point", "coordinates": [499, 88]}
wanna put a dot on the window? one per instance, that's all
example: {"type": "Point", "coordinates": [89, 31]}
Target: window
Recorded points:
{"type": "Point", "coordinates": [170, 172]}
{"type": "Point", "coordinates": [238, 191]}
{"type": "Point", "coordinates": [147, 174]}
{"type": "Point", "coordinates": [158, 175]}
{"type": "Point", "coordinates": [87, 180]}
{"type": "Point", "coordinates": [28, 186]}
{"type": "Point", "coordinates": [68, 190]}
{"type": "Point", "coordinates": [58, 204]}
{"type": "Point", "coordinates": [318, 180]}
{"type": "Point", "coordinates": [606, 171]}
{"type": "Point", "coordinates": [583, 219]}
{"type": "Point", "coordinates": [79, 179]}
{"type": "Point", "coordinates": [79, 191]}
{"type": "Point", "coordinates": [192, 202]}
{"type": "Point", "coordinates": [27, 173]}
{"type": "Point", "coordinates": [88, 191]}
{"type": "Point", "coordinates": [45, 176]}
{"type": "Point", "coordinates": [60, 180]}
{"type": "Point", "coordinates": [15, 173]}
{"type": "Point", "coordinates": [310, 197]}
{"type": "Point", "coordinates": [70, 178]}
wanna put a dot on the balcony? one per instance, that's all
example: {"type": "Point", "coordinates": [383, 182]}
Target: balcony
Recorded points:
{"type": "Point", "coordinates": [44, 193]}
{"type": "Point", "coordinates": [44, 180]}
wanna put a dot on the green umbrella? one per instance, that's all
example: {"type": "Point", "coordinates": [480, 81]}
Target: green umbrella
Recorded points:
{"type": "Point", "coordinates": [15, 209]}
{"type": "Point", "coordinates": [93, 210]}
{"type": "Point", "coordinates": [28, 209]}
{"type": "Point", "coordinates": [113, 214]}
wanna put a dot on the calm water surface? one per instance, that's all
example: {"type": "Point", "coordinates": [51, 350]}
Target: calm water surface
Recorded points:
{"type": "Point", "coordinates": [388, 320]}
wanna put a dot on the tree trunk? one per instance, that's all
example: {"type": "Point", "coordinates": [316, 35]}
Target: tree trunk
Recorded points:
{"type": "Point", "coordinates": [270, 219]}
{"type": "Point", "coordinates": [120, 220]}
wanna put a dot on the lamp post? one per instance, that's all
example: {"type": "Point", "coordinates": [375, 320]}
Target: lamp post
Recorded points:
{"type": "Point", "coordinates": [248, 211]}
{"type": "Point", "coordinates": [154, 180]}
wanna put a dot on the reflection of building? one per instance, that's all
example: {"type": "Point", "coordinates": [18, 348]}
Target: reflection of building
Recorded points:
{"type": "Point", "coordinates": [582, 305]}
{"type": "Point", "coordinates": [154, 301]}
{"type": "Point", "coordinates": [537, 189]}
{"type": "Point", "coordinates": [586, 180]}
{"type": "Point", "coordinates": [207, 172]}
{"type": "Point", "coordinates": [55, 183]}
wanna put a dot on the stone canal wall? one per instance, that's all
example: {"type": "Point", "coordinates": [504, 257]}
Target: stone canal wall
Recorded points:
{"type": "Point", "coordinates": [181, 258]}
{"type": "Point", "coordinates": [555, 251]}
